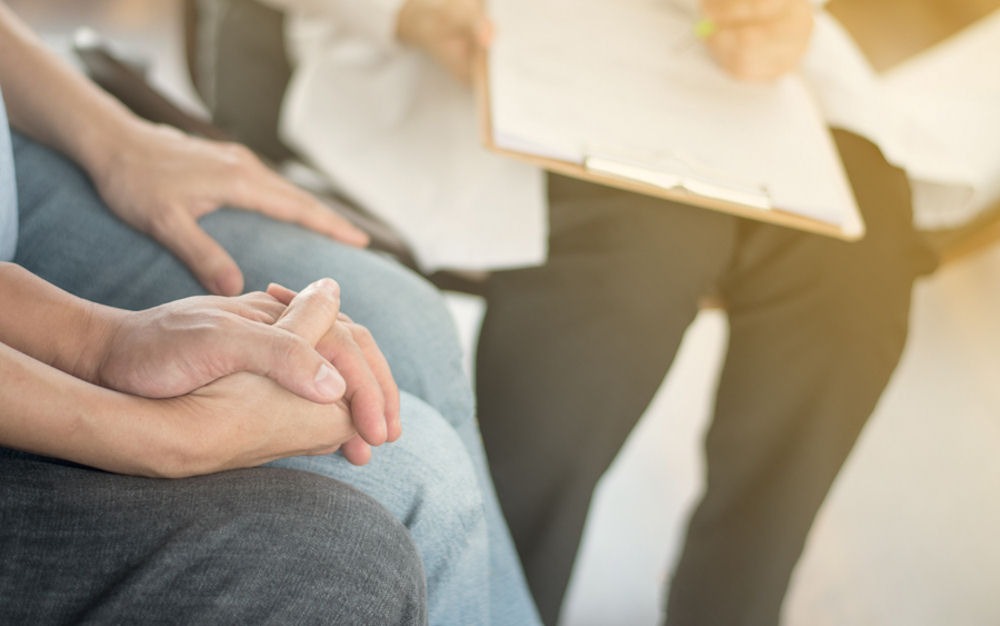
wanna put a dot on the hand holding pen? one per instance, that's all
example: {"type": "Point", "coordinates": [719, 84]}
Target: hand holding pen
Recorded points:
{"type": "Point", "coordinates": [756, 40]}
{"type": "Point", "coordinates": [450, 31]}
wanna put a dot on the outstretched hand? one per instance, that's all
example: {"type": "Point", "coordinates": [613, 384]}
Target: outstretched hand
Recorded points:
{"type": "Point", "coordinates": [759, 40]}
{"type": "Point", "coordinates": [161, 181]}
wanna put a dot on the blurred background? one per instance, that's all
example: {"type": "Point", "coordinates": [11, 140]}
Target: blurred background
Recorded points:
{"type": "Point", "coordinates": [909, 534]}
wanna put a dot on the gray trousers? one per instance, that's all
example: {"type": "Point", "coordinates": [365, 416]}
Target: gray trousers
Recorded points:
{"type": "Point", "coordinates": [258, 546]}
{"type": "Point", "coordinates": [571, 353]}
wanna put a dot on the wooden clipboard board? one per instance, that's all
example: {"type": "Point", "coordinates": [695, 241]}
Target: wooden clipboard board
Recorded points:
{"type": "Point", "coordinates": [677, 194]}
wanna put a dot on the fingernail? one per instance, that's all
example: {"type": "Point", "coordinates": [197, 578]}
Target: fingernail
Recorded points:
{"type": "Point", "coordinates": [329, 383]}
{"type": "Point", "coordinates": [228, 283]}
{"type": "Point", "coordinates": [359, 237]}
{"type": "Point", "coordinates": [327, 284]}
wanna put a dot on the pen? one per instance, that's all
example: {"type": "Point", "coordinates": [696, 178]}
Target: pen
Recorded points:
{"type": "Point", "coordinates": [704, 28]}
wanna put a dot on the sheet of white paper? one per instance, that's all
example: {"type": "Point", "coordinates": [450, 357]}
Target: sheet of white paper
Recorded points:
{"type": "Point", "coordinates": [626, 79]}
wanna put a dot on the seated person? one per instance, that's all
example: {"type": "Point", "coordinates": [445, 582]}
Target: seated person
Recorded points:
{"type": "Point", "coordinates": [109, 546]}
{"type": "Point", "coordinates": [89, 177]}
{"type": "Point", "coordinates": [573, 347]}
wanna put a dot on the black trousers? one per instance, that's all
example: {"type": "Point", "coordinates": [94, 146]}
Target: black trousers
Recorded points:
{"type": "Point", "coordinates": [571, 354]}
{"type": "Point", "coordinates": [256, 546]}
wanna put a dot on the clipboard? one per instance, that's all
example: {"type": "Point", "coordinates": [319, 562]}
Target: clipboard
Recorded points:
{"type": "Point", "coordinates": [675, 180]}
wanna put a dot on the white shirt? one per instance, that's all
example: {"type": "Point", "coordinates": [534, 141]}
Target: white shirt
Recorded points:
{"type": "Point", "coordinates": [8, 191]}
{"type": "Point", "coordinates": [400, 136]}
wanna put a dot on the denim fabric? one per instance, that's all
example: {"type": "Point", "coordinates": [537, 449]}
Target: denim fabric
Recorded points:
{"type": "Point", "coordinates": [8, 194]}
{"type": "Point", "coordinates": [434, 479]}
{"type": "Point", "coordinates": [259, 546]}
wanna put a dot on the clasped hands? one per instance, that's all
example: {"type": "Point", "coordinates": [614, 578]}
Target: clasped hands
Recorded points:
{"type": "Point", "coordinates": [754, 40]}
{"type": "Point", "coordinates": [254, 378]}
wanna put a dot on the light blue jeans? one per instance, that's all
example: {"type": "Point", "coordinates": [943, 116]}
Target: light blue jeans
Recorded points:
{"type": "Point", "coordinates": [434, 479]}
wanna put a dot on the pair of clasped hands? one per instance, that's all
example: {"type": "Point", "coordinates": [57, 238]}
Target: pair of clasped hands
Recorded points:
{"type": "Point", "coordinates": [754, 40]}
{"type": "Point", "coordinates": [258, 377]}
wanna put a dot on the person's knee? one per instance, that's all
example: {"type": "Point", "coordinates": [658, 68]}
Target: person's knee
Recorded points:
{"type": "Point", "coordinates": [426, 479]}
{"type": "Point", "coordinates": [434, 457]}
{"type": "Point", "coordinates": [442, 504]}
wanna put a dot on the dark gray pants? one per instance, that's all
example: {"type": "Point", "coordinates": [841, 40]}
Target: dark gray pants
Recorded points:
{"type": "Point", "coordinates": [571, 354]}
{"type": "Point", "coordinates": [243, 547]}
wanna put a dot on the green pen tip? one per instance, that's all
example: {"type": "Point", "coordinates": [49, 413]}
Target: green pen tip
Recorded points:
{"type": "Point", "coordinates": [704, 28]}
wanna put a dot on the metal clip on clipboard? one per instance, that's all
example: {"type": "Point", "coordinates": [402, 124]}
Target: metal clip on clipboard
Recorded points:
{"type": "Point", "coordinates": [678, 173]}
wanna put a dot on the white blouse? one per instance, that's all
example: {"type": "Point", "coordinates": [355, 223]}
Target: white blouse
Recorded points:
{"type": "Point", "coordinates": [400, 136]}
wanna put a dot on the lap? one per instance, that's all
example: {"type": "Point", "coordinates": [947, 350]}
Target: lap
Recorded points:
{"type": "Point", "coordinates": [81, 544]}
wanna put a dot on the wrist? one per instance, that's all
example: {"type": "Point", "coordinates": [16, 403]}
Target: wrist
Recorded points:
{"type": "Point", "coordinates": [147, 437]}
{"type": "Point", "coordinates": [100, 328]}
{"type": "Point", "coordinates": [104, 146]}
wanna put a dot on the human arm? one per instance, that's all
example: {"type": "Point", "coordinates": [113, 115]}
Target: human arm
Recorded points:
{"type": "Point", "coordinates": [758, 40]}
{"type": "Point", "coordinates": [160, 352]}
{"type": "Point", "coordinates": [176, 348]}
{"type": "Point", "coordinates": [241, 420]}
{"type": "Point", "coordinates": [156, 179]}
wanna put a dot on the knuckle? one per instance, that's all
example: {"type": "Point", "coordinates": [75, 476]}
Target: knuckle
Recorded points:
{"type": "Point", "coordinates": [239, 154]}
{"type": "Point", "coordinates": [287, 348]}
{"type": "Point", "coordinates": [362, 335]}
{"type": "Point", "coordinates": [162, 222]}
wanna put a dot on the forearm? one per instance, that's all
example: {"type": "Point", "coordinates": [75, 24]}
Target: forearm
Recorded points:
{"type": "Point", "coordinates": [48, 412]}
{"type": "Point", "coordinates": [51, 102]}
{"type": "Point", "coordinates": [52, 326]}
{"type": "Point", "coordinates": [238, 421]}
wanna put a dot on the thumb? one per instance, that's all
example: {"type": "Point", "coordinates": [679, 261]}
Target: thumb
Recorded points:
{"type": "Point", "coordinates": [313, 311]}
{"type": "Point", "coordinates": [290, 361]}
{"type": "Point", "coordinates": [286, 353]}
